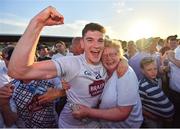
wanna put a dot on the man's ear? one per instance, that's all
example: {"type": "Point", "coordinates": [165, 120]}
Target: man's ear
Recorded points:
{"type": "Point", "coordinates": [82, 43]}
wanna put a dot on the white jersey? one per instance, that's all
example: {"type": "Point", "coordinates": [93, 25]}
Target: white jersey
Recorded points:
{"type": "Point", "coordinates": [4, 78]}
{"type": "Point", "coordinates": [122, 91]}
{"type": "Point", "coordinates": [174, 78]}
{"type": "Point", "coordinates": [87, 82]}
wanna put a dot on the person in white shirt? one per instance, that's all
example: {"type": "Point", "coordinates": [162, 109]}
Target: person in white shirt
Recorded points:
{"type": "Point", "coordinates": [174, 82]}
{"type": "Point", "coordinates": [5, 79]}
{"type": "Point", "coordinates": [61, 50]}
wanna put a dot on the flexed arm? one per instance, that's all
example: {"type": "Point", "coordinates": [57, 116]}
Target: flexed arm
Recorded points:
{"type": "Point", "coordinates": [22, 65]}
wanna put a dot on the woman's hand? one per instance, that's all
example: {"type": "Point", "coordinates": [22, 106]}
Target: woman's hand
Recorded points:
{"type": "Point", "coordinates": [6, 91]}
{"type": "Point", "coordinates": [81, 112]}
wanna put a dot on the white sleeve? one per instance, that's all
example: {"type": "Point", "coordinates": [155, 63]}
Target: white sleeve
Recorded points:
{"type": "Point", "coordinates": [56, 82]}
{"type": "Point", "coordinates": [67, 67]}
{"type": "Point", "coordinates": [127, 89]}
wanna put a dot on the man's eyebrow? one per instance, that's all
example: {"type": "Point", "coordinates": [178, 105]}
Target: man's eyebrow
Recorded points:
{"type": "Point", "coordinates": [89, 38]}
{"type": "Point", "coordinates": [101, 39]}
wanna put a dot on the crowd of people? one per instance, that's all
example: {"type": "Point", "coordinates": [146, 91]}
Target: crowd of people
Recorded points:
{"type": "Point", "coordinates": [106, 83]}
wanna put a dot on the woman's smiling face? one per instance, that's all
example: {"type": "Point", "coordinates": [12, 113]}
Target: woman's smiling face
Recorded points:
{"type": "Point", "coordinates": [110, 58]}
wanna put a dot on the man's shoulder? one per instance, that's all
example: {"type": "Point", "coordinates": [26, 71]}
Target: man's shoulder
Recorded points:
{"type": "Point", "coordinates": [67, 58]}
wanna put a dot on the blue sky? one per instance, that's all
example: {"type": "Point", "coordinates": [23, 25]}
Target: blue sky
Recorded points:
{"type": "Point", "coordinates": [123, 19]}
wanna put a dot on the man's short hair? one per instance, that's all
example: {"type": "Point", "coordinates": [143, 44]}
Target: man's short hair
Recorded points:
{"type": "Point", "coordinates": [172, 37]}
{"type": "Point", "coordinates": [40, 47]}
{"type": "Point", "coordinates": [76, 40]}
{"type": "Point", "coordinates": [7, 52]}
{"type": "Point", "coordinates": [60, 42]}
{"type": "Point", "coordinates": [93, 27]}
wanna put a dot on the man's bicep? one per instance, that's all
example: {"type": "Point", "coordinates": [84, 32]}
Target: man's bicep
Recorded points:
{"type": "Point", "coordinates": [40, 70]}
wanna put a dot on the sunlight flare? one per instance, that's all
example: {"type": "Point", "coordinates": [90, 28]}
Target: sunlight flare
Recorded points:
{"type": "Point", "coordinates": [142, 29]}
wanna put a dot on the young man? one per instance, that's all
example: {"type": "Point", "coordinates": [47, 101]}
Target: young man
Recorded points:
{"type": "Point", "coordinates": [85, 72]}
{"type": "Point", "coordinates": [156, 106]}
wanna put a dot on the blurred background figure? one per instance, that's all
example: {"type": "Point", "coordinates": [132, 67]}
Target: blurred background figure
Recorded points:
{"type": "Point", "coordinates": [1, 55]}
{"type": "Point", "coordinates": [146, 48]}
{"type": "Point", "coordinates": [43, 53]}
{"type": "Point", "coordinates": [5, 79]}
{"type": "Point", "coordinates": [131, 49]}
{"type": "Point", "coordinates": [6, 55]}
{"type": "Point", "coordinates": [160, 44]}
{"type": "Point", "coordinates": [61, 50]}
{"type": "Point", "coordinates": [172, 42]}
{"type": "Point", "coordinates": [173, 57]}
{"type": "Point", "coordinates": [75, 47]}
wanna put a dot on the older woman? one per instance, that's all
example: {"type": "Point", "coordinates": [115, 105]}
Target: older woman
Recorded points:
{"type": "Point", "coordinates": [120, 105]}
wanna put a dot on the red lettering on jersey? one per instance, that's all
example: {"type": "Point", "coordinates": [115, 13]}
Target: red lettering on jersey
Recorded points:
{"type": "Point", "coordinates": [96, 87]}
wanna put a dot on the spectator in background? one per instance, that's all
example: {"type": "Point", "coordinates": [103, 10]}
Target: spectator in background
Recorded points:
{"type": "Point", "coordinates": [164, 68]}
{"type": "Point", "coordinates": [5, 120]}
{"type": "Point", "coordinates": [172, 42]}
{"type": "Point", "coordinates": [33, 102]}
{"type": "Point", "coordinates": [75, 47]}
{"type": "Point", "coordinates": [160, 44]}
{"type": "Point", "coordinates": [6, 55]}
{"type": "Point", "coordinates": [146, 47]}
{"type": "Point", "coordinates": [131, 49]}
{"type": "Point", "coordinates": [124, 46]}
{"type": "Point", "coordinates": [156, 106]}
{"type": "Point", "coordinates": [61, 50]}
{"type": "Point", "coordinates": [43, 53]}
{"type": "Point", "coordinates": [174, 81]}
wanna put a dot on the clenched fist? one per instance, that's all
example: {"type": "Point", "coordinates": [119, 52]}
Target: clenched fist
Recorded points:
{"type": "Point", "coordinates": [49, 16]}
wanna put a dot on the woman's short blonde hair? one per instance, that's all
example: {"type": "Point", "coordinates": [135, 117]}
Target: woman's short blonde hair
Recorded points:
{"type": "Point", "coordinates": [114, 44]}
